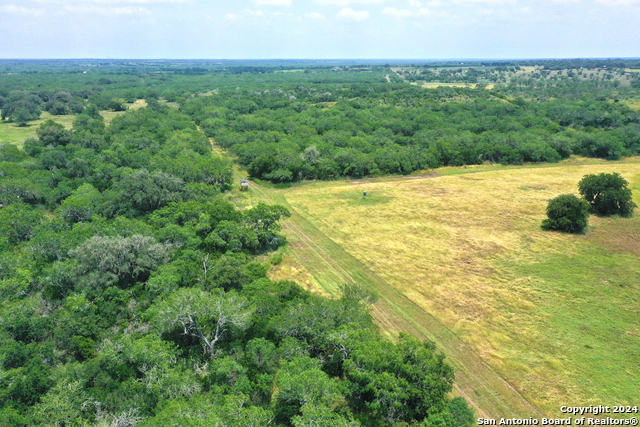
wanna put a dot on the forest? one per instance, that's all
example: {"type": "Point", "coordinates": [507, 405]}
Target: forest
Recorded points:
{"type": "Point", "coordinates": [135, 292]}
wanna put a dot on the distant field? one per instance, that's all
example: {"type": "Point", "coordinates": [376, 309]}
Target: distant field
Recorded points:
{"type": "Point", "coordinates": [555, 315]}
{"type": "Point", "coordinates": [110, 115]}
{"type": "Point", "coordinates": [432, 85]}
{"type": "Point", "coordinates": [634, 104]}
{"type": "Point", "coordinates": [9, 132]}
{"type": "Point", "coordinates": [436, 84]}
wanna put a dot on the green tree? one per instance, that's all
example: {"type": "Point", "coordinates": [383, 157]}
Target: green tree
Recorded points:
{"type": "Point", "coordinates": [117, 104]}
{"type": "Point", "coordinates": [607, 194]}
{"type": "Point", "coordinates": [393, 383]}
{"type": "Point", "coordinates": [301, 382]}
{"type": "Point", "coordinates": [147, 192]}
{"type": "Point", "coordinates": [461, 411]}
{"type": "Point", "coordinates": [65, 405]}
{"type": "Point", "coordinates": [52, 133]}
{"type": "Point", "coordinates": [81, 205]}
{"type": "Point", "coordinates": [207, 317]}
{"type": "Point", "coordinates": [210, 410]}
{"type": "Point", "coordinates": [320, 415]}
{"type": "Point", "coordinates": [105, 261]}
{"type": "Point", "coordinates": [17, 222]}
{"type": "Point", "coordinates": [21, 107]}
{"type": "Point", "coordinates": [22, 116]}
{"type": "Point", "coordinates": [264, 220]}
{"type": "Point", "coordinates": [567, 213]}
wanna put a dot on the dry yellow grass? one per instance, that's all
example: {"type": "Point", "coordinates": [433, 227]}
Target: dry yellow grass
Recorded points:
{"type": "Point", "coordinates": [289, 269]}
{"type": "Point", "coordinates": [465, 248]}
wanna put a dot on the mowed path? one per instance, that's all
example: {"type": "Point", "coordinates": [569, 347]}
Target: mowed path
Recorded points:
{"type": "Point", "coordinates": [330, 265]}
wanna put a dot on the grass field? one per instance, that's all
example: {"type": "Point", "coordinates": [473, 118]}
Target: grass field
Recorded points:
{"type": "Point", "coordinates": [432, 85]}
{"type": "Point", "coordinates": [110, 115]}
{"type": "Point", "coordinates": [9, 132]}
{"type": "Point", "coordinates": [634, 104]}
{"type": "Point", "coordinates": [459, 257]}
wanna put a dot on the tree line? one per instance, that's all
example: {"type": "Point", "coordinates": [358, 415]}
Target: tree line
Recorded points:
{"type": "Point", "coordinates": [306, 133]}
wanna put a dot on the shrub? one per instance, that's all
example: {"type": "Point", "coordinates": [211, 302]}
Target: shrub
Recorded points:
{"type": "Point", "coordinates": [607, 194]}
{"type": "Point", "coordinates": [566, 213]}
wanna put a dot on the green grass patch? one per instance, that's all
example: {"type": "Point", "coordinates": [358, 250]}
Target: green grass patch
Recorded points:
{"type": "Point", "coordinates": [583, 336]}
{"type": "Point", "coordinates": [10, 132]}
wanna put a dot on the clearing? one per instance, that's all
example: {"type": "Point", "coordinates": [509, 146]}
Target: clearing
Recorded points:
{"type": "Point", "coordinates": [10, 132]}
{"type": "Point", "coordinates": [110, 115]}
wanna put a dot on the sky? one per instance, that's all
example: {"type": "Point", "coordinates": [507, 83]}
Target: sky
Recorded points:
{"type": "Point", "coordinates": [319, 29]}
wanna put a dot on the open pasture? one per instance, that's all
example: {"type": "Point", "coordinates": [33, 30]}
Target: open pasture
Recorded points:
{"type": "Point", "coordinates": [11, 132]}
{"type": "Point", "coordinates": [554, 315]}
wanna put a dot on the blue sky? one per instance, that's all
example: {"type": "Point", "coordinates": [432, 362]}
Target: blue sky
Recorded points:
{"type": "Point", "coordinates": [244, 29]}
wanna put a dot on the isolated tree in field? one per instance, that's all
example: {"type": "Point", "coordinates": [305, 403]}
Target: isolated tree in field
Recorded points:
{"type": "Point", "coordinates": [607, 193]}
{"type": "Point", "coordinates": [566, 213]}
{"type": "Point", "coordinates": [202, 315]}
{"type": "Point", "coordinates": [22, 116]}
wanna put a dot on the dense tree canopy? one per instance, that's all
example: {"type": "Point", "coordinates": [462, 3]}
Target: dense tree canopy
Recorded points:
{"type": "Point", "coordinates": [21, 107]}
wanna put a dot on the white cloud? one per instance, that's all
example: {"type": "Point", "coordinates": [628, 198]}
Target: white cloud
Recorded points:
{"type": "Point", "coordinates": [349, 14]}
{"type": "Point", "coordinates": [81, 2]}
{"type": "Point", "coordinates": [416, 10]}
{"type": "Point", "coordinates": [333, 2]}
{"type": "Point", "coordinates": [618, 2]}
{"type": "Point", "coordinates": [107, 11]}
{"type": "Point", "coordinates": [489, 2]}
{"type": "Point", "coordinates": [407, 13]}
{"type": "Point", "coordinates": [397, 13]}
{"type": "Point", "coordinates": [315, 16]}
{"type": "Point", "coordinates": [28, 11]}
{"type": "Point", "coordinates": [347, 2]}
{"type": "Point", "coordinates": [230, 17]}
{"type": "Point", "coordinates": [272, 2]}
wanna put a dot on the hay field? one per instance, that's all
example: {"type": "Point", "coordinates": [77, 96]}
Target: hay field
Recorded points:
{"type": "Point", "coordinates": [555, 315]}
